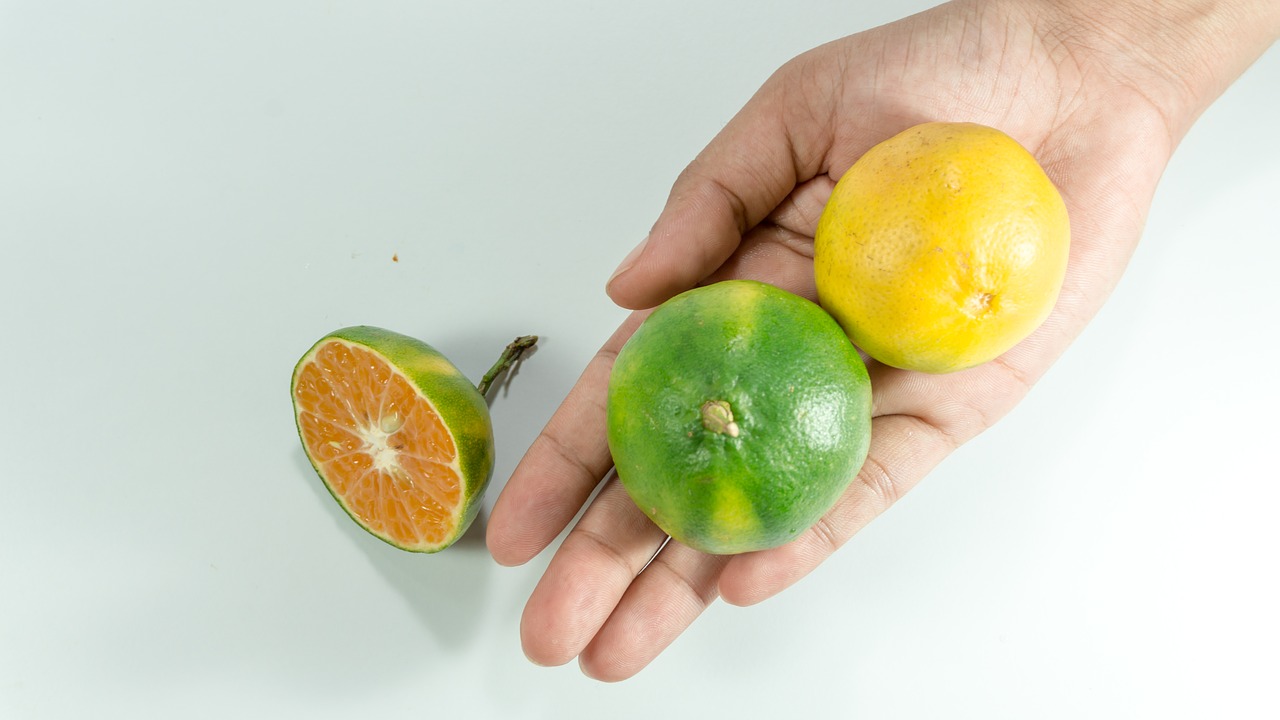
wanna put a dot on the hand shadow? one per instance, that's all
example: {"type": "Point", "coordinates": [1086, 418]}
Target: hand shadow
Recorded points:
{"type": "Point", "coordinates": [444, 589]}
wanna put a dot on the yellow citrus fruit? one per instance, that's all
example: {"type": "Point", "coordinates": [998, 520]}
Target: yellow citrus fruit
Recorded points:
{"type": "Point", "coordinates": [942, 247]}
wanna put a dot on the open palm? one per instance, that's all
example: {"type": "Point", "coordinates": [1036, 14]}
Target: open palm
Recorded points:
{"type": "Point", "coordinates": [747, 207]}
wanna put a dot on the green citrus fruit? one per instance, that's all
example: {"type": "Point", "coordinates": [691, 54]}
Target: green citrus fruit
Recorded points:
{"type": "Point", "coordinates": [942, 247]}
{"type": "Point", "coordinates": [737, 415]}
{"type": "Point", "coordinates": [399, 436]}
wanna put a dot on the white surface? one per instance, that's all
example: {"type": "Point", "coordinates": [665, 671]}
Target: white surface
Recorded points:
{"type": "Point", "coordinates": [192, 193]}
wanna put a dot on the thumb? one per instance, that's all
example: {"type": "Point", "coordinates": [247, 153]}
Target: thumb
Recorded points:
{"type": "Point", "coordinates": [750, 167]}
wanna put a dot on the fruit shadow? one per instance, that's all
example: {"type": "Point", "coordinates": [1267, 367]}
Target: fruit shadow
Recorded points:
{"type": "Point", "coordinates": [444, 590]}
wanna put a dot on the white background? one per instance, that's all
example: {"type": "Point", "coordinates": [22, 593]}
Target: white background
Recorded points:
{"type": "Point", "coordinates": [192, 193]}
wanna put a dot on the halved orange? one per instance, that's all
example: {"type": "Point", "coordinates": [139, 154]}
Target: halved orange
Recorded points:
{"type": "Point", "coordinates": [397, 433]}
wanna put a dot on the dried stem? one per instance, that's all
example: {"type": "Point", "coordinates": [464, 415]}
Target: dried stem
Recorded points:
{"type": "Point", "coordinates": [510, 356]}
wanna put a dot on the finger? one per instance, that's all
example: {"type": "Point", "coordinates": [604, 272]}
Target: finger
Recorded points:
{"type": "Point", "coordinates": [750, 167]}
{"type": "Point", "coordinates": [562, 466]}
{"type": "Point", "coordinates": [590, 572]}
{"type": "Point", "coordinates": [780, 250]}
{"type": "Point", "coordinates": [802, 209]}
{"type": "Point", "coordinates": [773, 255]}
{"type": "Point", "coordinates": [903, 449]}
{"type": "Point", "coordinates": [664, 600]}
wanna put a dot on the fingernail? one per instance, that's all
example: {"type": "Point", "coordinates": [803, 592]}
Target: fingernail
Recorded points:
{"type": "Point", "coordinates": [628, 261]}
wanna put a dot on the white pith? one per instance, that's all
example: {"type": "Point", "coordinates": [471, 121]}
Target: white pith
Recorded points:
{"type": "Point", "coordinates": [377, 443]}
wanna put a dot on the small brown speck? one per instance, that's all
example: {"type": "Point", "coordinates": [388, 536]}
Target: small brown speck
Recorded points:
{"type": "Point", "coordinates": [395, 257]}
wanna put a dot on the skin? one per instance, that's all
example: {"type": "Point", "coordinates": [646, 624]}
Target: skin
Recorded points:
{"type": "Point", "coordinates": [1100, 92]}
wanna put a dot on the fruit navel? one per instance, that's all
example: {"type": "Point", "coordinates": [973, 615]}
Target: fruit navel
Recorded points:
{"type": "Point", "coordinates": [979, 304]}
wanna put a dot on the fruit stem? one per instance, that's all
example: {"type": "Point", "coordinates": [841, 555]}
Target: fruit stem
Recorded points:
{"type": "Point", "coordinates": [717, 417]}
{"type": "Point", "coordinates": [509, 357]}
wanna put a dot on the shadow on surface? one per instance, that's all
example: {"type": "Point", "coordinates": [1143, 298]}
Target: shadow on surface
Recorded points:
{"type": "Point", "coordinates": [444, 590]}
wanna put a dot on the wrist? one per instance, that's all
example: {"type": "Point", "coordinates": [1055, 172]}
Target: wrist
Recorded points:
{"type": "Point", "coordinates": [1179, 54]}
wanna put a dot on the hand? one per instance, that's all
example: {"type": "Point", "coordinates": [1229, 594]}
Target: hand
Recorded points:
{"type": "Point", "coordinates": [1100, 110]}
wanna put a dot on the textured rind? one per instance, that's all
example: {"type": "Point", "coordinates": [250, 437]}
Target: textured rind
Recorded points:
{"type": "Point", "coordinates": [942, 247]}
{"type": "Point", "coordinates": [461, 407]}
{"type": "Point", "coordinates": [798, 391]}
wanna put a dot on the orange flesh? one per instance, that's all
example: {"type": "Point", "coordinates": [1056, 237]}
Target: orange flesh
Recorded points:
{"type": "Point", "coordinates": [379, 444]}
